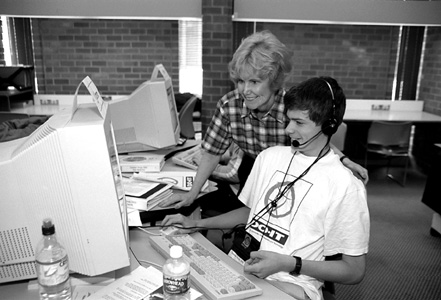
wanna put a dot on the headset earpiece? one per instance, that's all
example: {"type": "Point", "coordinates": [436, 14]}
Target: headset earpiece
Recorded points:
{"type": "Point", "coordinates": [330, 126]}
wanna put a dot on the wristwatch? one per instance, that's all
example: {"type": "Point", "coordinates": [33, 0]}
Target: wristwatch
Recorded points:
{"type": "Point", "coordinates": [298, 266]}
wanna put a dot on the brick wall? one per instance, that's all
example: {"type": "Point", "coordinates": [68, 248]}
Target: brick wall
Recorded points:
{"type": "Point", "coordinates": [360, 58]}
{"type": "Point", "coordinates": [217, 51]}
{"type": "Point", "coordinates": [117, 54]}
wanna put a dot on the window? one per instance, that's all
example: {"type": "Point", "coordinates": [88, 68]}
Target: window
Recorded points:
{"type": "Point", "coordinates": [5, 41]}
{"type": "Point", "coordinates": [190, 57]}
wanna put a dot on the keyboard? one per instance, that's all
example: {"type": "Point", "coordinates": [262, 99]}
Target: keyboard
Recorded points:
{"type": "Point", "coordinates": [209, 274]}
{"type": "Point", "coordinates": [185, 158]}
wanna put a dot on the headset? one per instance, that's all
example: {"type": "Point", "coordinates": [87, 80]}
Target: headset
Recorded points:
{"type": "Point", "coordinates": [329, 127]}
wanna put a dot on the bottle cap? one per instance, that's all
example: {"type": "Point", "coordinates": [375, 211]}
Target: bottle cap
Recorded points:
{"type": "Point", "coordinates": [48, 228]}
{"type": "Point", "coordinates": [176, 251]}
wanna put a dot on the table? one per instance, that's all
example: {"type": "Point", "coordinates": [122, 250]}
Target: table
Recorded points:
{"type": "Point", "coordinates": [426, 127]}
{"type": "Point", "coordinates": [381, 115]}
{"type": "Point", "coordinates": [142, 252]}
{"type": "Point", "coordinates": [40, 110]}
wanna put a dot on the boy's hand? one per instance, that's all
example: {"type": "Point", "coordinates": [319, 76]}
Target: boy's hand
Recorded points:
{"type": "Point", "coordinates": [264, 263]}
{"type": "Point", "coordinates": [183, 223]}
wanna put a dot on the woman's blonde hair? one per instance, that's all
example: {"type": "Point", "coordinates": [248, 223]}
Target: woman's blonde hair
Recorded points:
{"type": "Point", "coordinates": [263, 54]}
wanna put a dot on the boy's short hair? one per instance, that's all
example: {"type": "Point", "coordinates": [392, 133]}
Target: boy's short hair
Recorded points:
{"type": "Point", "coordinates": [315, 96]}
{"type": "Point", "coordinates": [262, 53]}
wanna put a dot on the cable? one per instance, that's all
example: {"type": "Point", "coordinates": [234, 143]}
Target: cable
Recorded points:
{"type": "Point", "coordinates": [271, 203]}
{"type": "Point", "coordinates": [196, 228]}
{"type": "Point", "coordinates": [274, 202]}
{"type": "Point", "coordinates": [149, 232]}
{"type": "Point", "coordinates": [150, 263]}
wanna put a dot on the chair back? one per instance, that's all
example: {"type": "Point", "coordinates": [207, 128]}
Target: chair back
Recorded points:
{"type": "Point", "coordinates": [388, 133]}
{"type": "Point", "coordinates": [338, 138]}
{"type": "Point", "coordinates": [186, 118]}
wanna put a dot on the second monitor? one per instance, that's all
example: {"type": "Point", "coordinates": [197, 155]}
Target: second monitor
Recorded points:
{"type": "Point", "coordinates": [147, 119]}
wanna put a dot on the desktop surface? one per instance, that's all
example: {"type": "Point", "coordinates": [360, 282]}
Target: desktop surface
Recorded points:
{"type": "Point", "coordinates": [143, 253]}
{"type": "Point", "coordinates": [382, 115]}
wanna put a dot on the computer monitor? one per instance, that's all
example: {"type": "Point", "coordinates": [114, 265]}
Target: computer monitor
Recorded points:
{"type": "Point", "coordinates": [66, 170]}
{"type": "Point", "coordinates": [146, 120]}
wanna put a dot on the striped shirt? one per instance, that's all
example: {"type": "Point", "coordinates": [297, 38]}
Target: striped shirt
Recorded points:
{"type": "Point", "coordinates": [234, 122]}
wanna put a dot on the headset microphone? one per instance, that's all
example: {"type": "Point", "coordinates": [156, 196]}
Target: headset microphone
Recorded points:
{"type": "Point", "coordinates": [296, 143]}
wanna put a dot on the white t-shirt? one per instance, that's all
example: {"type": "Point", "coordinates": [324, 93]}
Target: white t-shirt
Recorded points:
{"type": "Point", "coordinates": [323, 214]}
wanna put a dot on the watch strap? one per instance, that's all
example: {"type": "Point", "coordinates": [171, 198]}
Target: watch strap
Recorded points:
{"type": "Point", "coordinates": [298, 266]}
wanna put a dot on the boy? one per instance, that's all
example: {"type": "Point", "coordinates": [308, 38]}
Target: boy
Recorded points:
{"type": "Point", "coordinates": [301, 203]}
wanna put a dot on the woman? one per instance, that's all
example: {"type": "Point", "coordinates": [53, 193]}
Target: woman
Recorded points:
{"type": "Point", "coordinates": [252, 116]}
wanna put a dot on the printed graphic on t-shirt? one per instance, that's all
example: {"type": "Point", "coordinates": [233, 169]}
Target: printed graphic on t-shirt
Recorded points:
{"type": "Point", "coordinates": [274, 223]}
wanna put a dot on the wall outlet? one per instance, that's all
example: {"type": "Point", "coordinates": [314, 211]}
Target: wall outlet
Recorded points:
{"type": "Point", "coordinates": [49, 102]}
{"type": "Point", "coordinates": [380, 107]}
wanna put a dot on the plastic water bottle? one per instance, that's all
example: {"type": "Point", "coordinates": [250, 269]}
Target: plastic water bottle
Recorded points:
{"type": "Point", "coordinates": [176, 271]}
{"type": "Point", "coordinates": [52, 266]}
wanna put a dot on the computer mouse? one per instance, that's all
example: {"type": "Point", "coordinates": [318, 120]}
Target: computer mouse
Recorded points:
{"type": "Point", "coordinates": [170, 230]}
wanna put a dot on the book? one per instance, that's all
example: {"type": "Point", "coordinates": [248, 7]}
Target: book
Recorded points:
{"type": "Point", "coordinates": [144, 195]}
{"type": "Point", "coordinates": [181, 178]}
{"type": "Point", "coordinates": [141, 162]}
{"type": "Point", "coordinates": [146, 205]}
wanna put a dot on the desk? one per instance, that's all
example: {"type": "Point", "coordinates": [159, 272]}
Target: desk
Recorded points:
{"type": "Point", "coordinates": [427, 129]}
{"type": "Point", "coordinates": [381, 115]}
{"type": "Point", "coordinates": [144, 252]}
{"type": "Point", "coordinates": [40, 110]}
{"type": "Point", "coordinates": [59, 102]}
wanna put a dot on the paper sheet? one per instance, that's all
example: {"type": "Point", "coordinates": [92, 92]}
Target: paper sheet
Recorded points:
{"type": "Point", "coordinates": [135, 286]}
{"type": "Point", "coordinates": [141, 283]}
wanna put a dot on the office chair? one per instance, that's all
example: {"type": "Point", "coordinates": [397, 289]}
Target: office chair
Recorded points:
{"type": "Point", "coordinates": [390, 139]}
{"type": "Point", "coordinates": [186, 118]}
{"type": "Point", "coordinates": [338, 138]}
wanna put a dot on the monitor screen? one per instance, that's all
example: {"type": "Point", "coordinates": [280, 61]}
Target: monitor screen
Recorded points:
{"type": "Point", "coordinates": [66, 170]}
{"type": "Point", "coordinates": [147, 119]}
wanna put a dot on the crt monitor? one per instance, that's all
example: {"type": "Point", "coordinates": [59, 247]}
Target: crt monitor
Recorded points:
{"type": "Point", "coordinates": [145, 120]}
{"type": "Point", "coordinates": [66, 170]}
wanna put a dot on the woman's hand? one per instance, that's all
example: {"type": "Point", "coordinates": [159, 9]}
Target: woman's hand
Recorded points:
{"type": "Point", "coordinates": [178, 200]}
{"type": "Point", "coordinates": [183, 223]}
{"type": "Point", "coordinates": [356, 169]}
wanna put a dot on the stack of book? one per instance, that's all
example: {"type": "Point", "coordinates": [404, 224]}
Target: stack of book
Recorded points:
{"type": "Point", "coordinates": [144, 195]}
{"type": "Point", "coordinates": [142, 162]}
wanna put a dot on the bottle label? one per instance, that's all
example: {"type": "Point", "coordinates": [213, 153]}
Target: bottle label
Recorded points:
{"type": "Point", "coordinates": [53, 273]}
{"type": "Point", "coordinates": [176, 284]}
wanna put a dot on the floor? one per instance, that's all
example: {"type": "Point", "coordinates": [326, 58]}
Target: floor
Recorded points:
{"type": "Point", "coordinates": [404, 258]}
